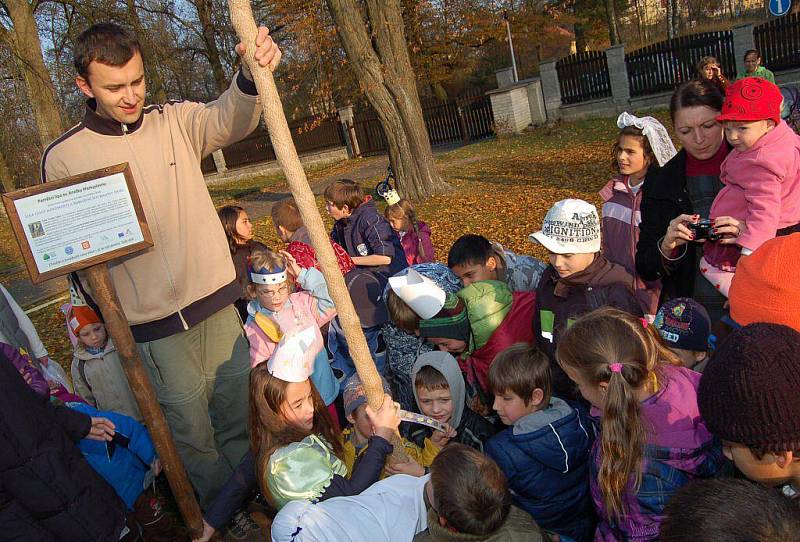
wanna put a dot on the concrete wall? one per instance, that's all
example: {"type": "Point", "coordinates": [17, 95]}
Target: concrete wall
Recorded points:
{"type": "Point", "coordinates": [265, 168]}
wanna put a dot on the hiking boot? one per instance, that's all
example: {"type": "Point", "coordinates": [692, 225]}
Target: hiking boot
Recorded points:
{"type": "Point", "coordinates": [242, 527]}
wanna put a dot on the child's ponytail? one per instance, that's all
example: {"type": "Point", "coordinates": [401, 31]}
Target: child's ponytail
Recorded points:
{"type": "Point", "coordinates": [622, 437]}
{"type": "Point", "coordinates": [613, 349]}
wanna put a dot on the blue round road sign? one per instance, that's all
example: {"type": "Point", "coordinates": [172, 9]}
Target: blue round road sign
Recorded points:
{"type": "Point", "coordinates": [779, 7]}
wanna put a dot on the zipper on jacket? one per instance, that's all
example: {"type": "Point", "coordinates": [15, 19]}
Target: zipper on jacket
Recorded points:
{"type": "Point", "coordinates": [163, 256]}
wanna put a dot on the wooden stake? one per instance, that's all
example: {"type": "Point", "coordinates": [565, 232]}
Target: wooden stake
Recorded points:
{"type": "Point", "coordinates": [242, 20]}
{"type": "Point", "coordinates": [103, 292]}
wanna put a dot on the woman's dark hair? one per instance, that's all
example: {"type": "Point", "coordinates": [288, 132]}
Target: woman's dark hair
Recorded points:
{"type": "Point", "coordinates": [228, 215]}
{"type": "Point", "coordinates": [731, 510]}
{"type": "Point", "coordinates": [696, 93]}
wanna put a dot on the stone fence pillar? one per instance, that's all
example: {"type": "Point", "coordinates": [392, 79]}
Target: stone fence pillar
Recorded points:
{"type": "Point", "coordinates": [219, 161]}
{"type": "Point", "coordinates": [742, 41]}
{"type": "Point", "coordinates": [618, 74]}
{"type": "Point", "coordinates": [550, 88]}
{"type": "Point", "coordinates": [505, 77]}
{"type": "Point", "coordinates": [346, 117]}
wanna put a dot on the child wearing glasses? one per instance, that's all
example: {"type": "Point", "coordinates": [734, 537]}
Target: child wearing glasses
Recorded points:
{"type": "Point", "coordinates": [276, 311]}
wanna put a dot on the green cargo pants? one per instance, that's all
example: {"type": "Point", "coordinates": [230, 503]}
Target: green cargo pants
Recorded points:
{"type": "Point", "coordinates": [201, 378]}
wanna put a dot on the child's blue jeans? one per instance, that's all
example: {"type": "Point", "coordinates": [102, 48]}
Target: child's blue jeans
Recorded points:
{"type": "Point", "coordinates": [341, 353]}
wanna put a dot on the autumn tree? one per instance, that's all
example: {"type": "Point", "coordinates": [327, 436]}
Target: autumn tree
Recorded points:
{"type": "Point", "coordinates": [23, 39]}
{"type": "Point", "coordinates": [379, 58]}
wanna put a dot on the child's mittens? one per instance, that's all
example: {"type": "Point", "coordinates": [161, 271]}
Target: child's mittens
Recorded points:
{"type": "Point", "coordinates": [268, 326]}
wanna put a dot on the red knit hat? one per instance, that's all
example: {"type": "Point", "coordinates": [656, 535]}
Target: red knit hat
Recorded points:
{"type": "Point", "coordinates": [750, 99]}
{"type": "Point", "coordinates": [766, 286]}
{"type": "Point", "coordinates": [80, 316]}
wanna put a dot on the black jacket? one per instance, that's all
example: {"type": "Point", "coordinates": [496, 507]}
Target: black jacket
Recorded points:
{"type": "Point", "coordinates": [665, 197]}
{"type": "Point", "coordinates": [47, 489]}
{"type": "Point", "coordinates": [474, 431]}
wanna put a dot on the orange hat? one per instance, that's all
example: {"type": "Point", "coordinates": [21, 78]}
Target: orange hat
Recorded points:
{"type": "Point", "coordinates": [80, 316]}
{"type": "Point", "coordinates": [766, 286]}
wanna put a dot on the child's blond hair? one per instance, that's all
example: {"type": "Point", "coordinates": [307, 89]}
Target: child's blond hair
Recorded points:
{"type": "Point", "coordinates": [264, 258]}
{"type": "Point", "coordinates": [593, 346]}
{"type": "Point", "coordinates": [405, 209]}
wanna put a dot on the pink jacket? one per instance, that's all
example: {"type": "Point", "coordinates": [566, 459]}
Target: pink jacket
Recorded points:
{"type": "Point", "coordinates": [620, 233]}
{"type": "Point", "coordinates": [312, 306]}
{"type": "Point", "coordinates": [762, 186]}
{"type": "Point", "coordinates": [411, 243]}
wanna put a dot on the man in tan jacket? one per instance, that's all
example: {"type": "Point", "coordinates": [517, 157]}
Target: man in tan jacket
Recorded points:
{"type": "Point", "coordinates": [178, 295]}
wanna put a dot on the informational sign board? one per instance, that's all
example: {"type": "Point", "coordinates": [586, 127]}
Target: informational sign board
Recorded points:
{"type": "Point", "coordinates": [73, 223]}
{"type": "Point", "coordinates": [779, 7]}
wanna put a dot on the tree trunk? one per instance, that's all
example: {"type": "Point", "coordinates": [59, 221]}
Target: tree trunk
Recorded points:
{"type": "Point", "coordinates": [670, 19]}
{"type": "Point", "coordinates": [28, 52]}
{"type": "Point", "coordinates": [6, 177]}
{"type": "Point", "coordinates": [208, 35]}
{"type": "Point", "coordinates": [613, 31]}
{"type": "Point", "coordinates": [155, 83]}
{"type": "Point", "coordinates": [385, 74]}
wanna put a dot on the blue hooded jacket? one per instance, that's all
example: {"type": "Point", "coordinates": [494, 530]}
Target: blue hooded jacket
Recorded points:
{"type": "Point", "coordinates": [123, 463]}
{"type": "Point", "coordinates": [546, 459]}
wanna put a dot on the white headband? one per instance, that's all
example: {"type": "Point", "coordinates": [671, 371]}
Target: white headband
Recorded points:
{"type": "Point", "coordinates": [655, 133]}
{"type": "Point", "coordinates": [268, 278]}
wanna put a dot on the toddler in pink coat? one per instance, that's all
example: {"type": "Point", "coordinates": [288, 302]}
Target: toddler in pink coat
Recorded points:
{"type": "Point", "coordinates": [761, 177]}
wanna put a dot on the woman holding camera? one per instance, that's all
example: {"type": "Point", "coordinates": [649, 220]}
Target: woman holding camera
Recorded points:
{"type": "Point", "coordinates": [679, 195]}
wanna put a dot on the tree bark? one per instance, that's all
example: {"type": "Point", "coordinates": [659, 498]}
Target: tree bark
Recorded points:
{"type": "Point", "coordinates": [383, 69]}
{"type": "Point", "coordinates": [155, 83]}
{"type": "Point", "coordinates": [613, 30]}
{"type": "Point", "coordinates": [28, 52]}
{"type": "Point", "coordinates": [670, 19]}
{"type": "Point", "coordinates": [208, 33]}
{"type": "Point", "coordinates": [6, 177]}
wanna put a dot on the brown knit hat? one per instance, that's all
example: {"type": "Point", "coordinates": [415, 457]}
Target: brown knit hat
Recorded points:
{"type": "Point", "coordinates": [749, 390]}
{"type": "Point", "coordinates": [766, 286]}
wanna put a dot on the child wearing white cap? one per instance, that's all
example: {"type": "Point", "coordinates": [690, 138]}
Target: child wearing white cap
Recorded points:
{"type": "Point", "coordinates": [579, 278]}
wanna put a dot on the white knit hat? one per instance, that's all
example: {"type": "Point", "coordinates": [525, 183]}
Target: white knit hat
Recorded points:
{"type": "Point", "coordinates": [571, 226]}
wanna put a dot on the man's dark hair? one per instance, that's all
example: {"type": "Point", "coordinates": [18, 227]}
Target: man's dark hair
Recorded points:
{"type": "Point", "coordinates": [106, 43]}
{"type": "Point", "coordinates": [469, 249]}
{"type": "Point", "coordinates": [470, 490]}
{"type": "Point", "coordinates": [731, 510]}
{"type": "Point", "coordinates": [694, 93]}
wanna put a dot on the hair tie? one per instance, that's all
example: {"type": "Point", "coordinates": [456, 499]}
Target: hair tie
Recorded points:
{"type": "Point", "coordinates": [615, 367]}
{"type": "Point", "coordinates": [644, 322]}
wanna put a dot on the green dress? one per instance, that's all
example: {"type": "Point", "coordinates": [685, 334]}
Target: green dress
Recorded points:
{"type": "Point", "coordinates": [302, 470]}
{"type": "Point", "coordinates": [762, 72]}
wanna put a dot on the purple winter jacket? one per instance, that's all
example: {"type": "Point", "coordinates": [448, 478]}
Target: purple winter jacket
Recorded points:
{"type": "Point", "coordinates": [24, 366]}
{"type": "Point", "coordinates": [679, 449]}
{"type": "Point", "coordinates": [620, 234]}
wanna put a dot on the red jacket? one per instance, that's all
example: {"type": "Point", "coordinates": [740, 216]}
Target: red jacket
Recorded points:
{"type": "Point", "coordinates": [620, 234]}
{"type": "Point", "coordinates": [300, 248]}
{"type": "Point", "coordinates": [517, 327]}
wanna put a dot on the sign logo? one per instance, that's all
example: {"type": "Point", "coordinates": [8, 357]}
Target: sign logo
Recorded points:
{"type": "Point", "coordinates": [85, 245]}
{"type": "Point", "coordinates": [69, 250]}
{"type": "Point", "coordinates": [779, 7]}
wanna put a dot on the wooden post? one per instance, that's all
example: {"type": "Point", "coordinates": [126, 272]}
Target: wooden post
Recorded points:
{"type": "Point", "coordinates": [119, 331]}
{"type": "Point", "coordinates": [275, 119]}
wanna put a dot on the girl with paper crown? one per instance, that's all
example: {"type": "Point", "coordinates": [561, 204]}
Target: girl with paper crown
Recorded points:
{"type": "Point", "coordinates": [642, 145]}
{"type": "Point", "coordinates": [295, 448]}
{"type": "Point", "coordinates": [276, 310]}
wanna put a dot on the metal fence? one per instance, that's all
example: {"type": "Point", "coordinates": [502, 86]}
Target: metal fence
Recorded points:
{"type": "Point", "coordinates": [778, 41]}
{"type": "Point", "coordinates": [583, 77]}
{"type": "Point", "coordinates": [661, 66]}
{"type": "Point", "coordinates": [461, 120]}
{"type": "Point", "coordinates": [310, 134]}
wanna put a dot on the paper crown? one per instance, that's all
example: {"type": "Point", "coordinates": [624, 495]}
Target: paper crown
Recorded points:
{"type": "Point", "coordinates": [420, 293]}
{"type": "Point", "coordinates": [391, 196]}
{"type": "Point", "coordinates": [289, 362]}
{"type": "Point", "coordinates": [265, 276]}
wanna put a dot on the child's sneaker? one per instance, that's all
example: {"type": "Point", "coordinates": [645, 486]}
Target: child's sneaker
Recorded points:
{"type": "Point", "coordinates": [243, 527]}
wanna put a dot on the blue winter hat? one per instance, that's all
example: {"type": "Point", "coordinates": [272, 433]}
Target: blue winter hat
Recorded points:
{"type": "Point", "coordinates": [684, 323]}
